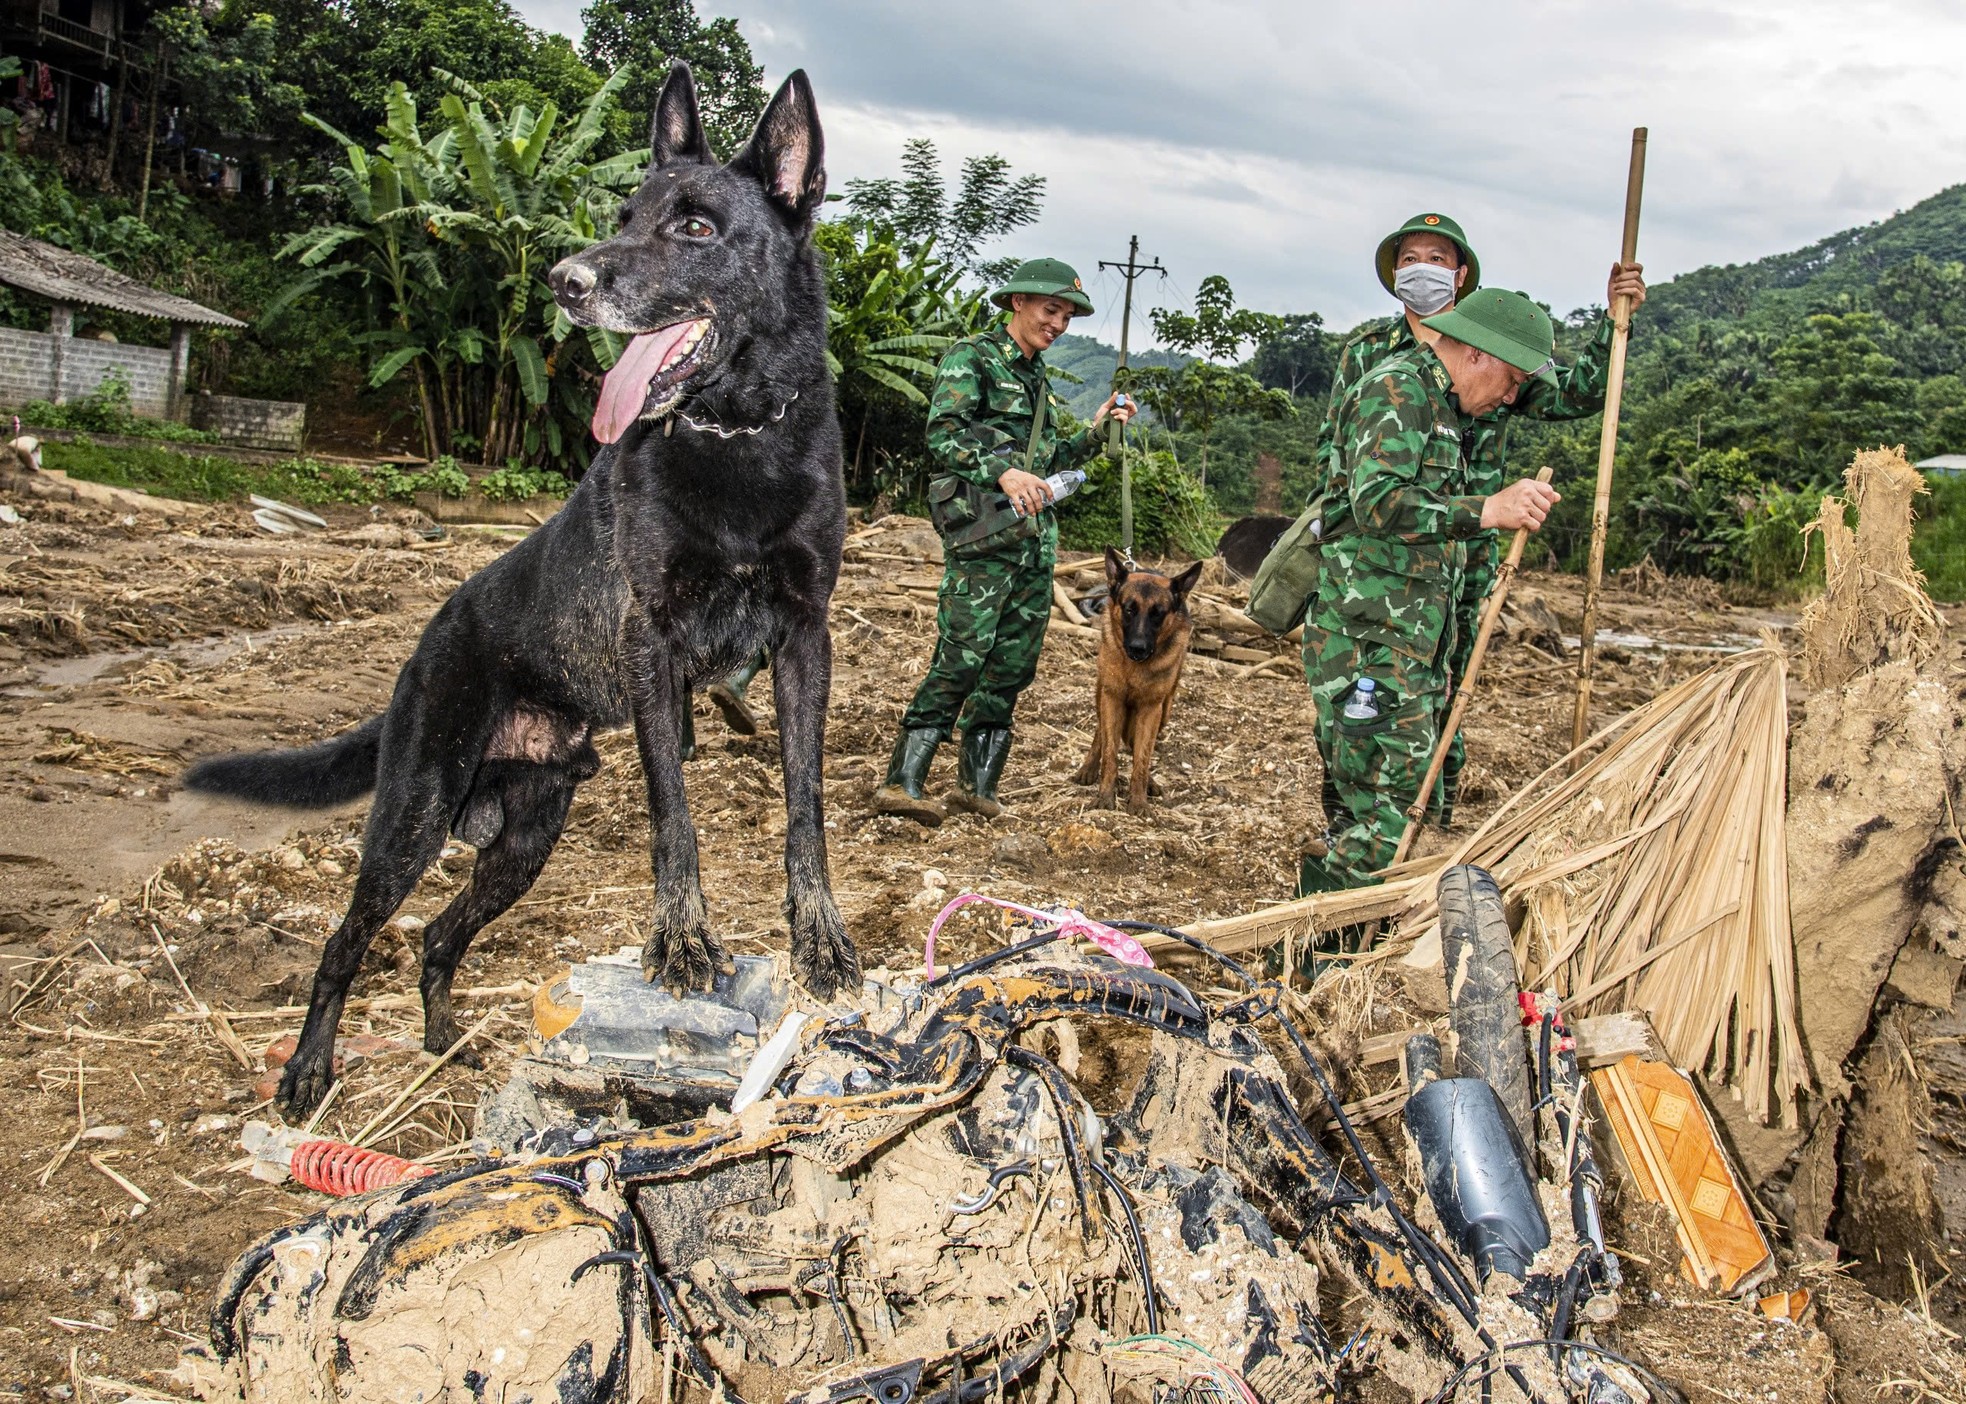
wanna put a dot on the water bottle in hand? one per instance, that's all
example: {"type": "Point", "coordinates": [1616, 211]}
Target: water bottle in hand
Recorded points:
{"type": "Point", "coordinates": [1064, 483]}
{"type": "Point", "coordinates": [1363, 704]}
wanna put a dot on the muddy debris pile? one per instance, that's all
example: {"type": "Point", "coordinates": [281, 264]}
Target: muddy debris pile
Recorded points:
{"type": "Point", "coordinates": [908, 1199]}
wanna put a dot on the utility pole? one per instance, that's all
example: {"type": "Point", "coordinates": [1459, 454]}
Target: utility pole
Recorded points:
{"type": "Point", "coordinates": [1129, 270]}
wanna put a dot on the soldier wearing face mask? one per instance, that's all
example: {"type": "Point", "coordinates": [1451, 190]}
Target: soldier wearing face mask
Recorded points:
{"type": "Point", "coordinates": [1426, 263]}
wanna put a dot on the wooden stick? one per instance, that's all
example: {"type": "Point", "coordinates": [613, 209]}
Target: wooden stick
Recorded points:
{"type": "Point", "coordinates": [1416, 813]}
{"type": "Point", "coordinates": [1064, 602]}
{"type": "Point", "coordinates": [381, 1118]}
{"type": "Point", "coordinates": [221, 1029]}
{"type": "Point", "coordinates": [134, 1191]}
{"type": "Point", "coordinates": [1607, 448]}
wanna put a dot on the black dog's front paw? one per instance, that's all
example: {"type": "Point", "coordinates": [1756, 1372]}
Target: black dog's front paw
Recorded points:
{"type": "Point", "coordinates": [302, 1086]}
{"type": "Point", "coordinates": [681, 952]}
{"type": "Point", "coordinates": [823, 957]}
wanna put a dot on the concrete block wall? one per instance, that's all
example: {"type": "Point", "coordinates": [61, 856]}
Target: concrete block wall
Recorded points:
{"type": "Point", "coordinates": [28, 363]}
{"type": "Point", "coordinates": [277, 426]}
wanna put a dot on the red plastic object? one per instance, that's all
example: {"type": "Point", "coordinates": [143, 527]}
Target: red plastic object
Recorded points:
{"type": "Point", "coordinates": [335, 1167]}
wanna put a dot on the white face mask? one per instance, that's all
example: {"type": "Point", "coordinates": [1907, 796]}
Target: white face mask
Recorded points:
{"type": "Point", "coordinates": [1425, 287]}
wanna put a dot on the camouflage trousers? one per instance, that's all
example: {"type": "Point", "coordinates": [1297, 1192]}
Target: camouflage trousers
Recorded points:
{"type": "Point", "coordinates": [1372, 769]}
{"type": "Point", "coordinates": [1477, 579]}
{"type": "Point", "coordinates": [989, 629]}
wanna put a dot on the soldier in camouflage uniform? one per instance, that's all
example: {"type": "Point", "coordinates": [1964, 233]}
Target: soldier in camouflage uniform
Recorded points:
{"type": "Point", "coordinates": [999, 538]}
{"type": "Point", "coordinates": [1400, 505]}
{"type": "Point", "coordinates": [1427, 264]}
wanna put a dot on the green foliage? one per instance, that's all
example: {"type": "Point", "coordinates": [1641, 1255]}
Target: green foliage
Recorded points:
{"type": "Point", "coordinates": [1196, 394]}
{"type": "Point", "coordinates": [894, 308]}
{"type": "Point", "coordinates": [1171, 511]}
{"type": "Point", "coordinates": [449, 238]}
{"type": "Point", "coordinates": [444, 478]}
{"type": "Point", "coordinates": [1791, 365]}
{"type": "Point", "coordinates": [106, 410]}
{"type": "Point", "coordinates": [222, 255]}
{"type": "Point", "coordinates": [646, 35]}
{"type": "Point", "coordinates": [1091, 365]}
{"type": "Point", "coordinates": [1237, 446]}
{"type": "Point", "coordinates": [192, 477]}
{"type": "Point", "coordinates": [345, 57]}
{"type": "Point", "coordinates": [9, 119]}
{"type": "Point", "coordinates": [1296, 355]}
{"type": "Point", "coordinates": [1938, 543]}
{"type": "Point", "coordinates": [522, 484]}
{"type": "Point", "coordinates": [224, 65]}
{"type": "Point", "coordinates": [989, 202]}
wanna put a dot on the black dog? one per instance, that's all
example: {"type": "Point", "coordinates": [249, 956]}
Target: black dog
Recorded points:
{"type": "Point", "coordinates": [713, 527]}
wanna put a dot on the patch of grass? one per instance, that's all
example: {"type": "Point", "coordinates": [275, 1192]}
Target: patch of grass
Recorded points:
{"type": "Point", "coordinates": [1938, 543]}
{"type": "Point", "coordinates": [206, 478]}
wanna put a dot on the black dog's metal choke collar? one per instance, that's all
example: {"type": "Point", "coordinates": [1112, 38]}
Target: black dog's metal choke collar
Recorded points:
{"type": "Point", "coordinates": [712, 427]}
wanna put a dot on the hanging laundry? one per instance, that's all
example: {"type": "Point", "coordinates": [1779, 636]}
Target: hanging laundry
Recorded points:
{"type": "Point", "coordinates": [47, 81]}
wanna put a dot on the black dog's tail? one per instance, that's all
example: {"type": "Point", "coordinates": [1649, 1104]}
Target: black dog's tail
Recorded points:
{"type": "Point", "coordinates": [314, 777]}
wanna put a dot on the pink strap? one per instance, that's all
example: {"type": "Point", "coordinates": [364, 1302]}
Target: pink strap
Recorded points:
{"type": "Point", "coordinates": [1070, 922]}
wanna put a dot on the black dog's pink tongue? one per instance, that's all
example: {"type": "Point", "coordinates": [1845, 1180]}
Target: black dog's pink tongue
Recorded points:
{"type": "Point", "coordinates": [626, 388]}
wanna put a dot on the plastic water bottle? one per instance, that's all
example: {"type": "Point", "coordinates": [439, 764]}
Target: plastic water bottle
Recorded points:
{"type": "Point", "coordinates": [1363, 704]}
{"type": "Point", "coordinates": [1064, 483]}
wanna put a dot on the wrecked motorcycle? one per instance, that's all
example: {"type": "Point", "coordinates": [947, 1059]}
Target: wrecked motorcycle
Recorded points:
{"type": "Point", "coordinates": [928, 1208]}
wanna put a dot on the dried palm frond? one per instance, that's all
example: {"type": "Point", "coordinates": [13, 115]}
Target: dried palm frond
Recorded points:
{"type": "Point", "coordinates": [1655, 878]}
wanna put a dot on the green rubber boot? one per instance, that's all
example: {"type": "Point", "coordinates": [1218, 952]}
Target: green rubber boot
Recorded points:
{"type": "Point", "coordinates": [729, 698]}
{"type": "Point", "coordinates": [1314, 875]}
{"type": "Point", "coordinates": [978, 768]}
{"type": "Point", "coordinates": [907, 772]}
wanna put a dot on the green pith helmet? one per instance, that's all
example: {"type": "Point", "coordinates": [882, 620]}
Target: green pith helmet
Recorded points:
{"type": "Point", "coordinates": [1047, 277]}
{"type": "Point", "coordinates": [1428, 224]}
{"type": "Point", "coordinates": [1506, 325]}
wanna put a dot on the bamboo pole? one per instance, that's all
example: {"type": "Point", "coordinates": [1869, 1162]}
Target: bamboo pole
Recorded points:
{"type": "Point", "coordinates": [1607, 447]}
{"type": "Point", "coordinates": [1416, 813]}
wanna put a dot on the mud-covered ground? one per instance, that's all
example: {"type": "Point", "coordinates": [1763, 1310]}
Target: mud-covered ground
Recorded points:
{"type": "Point", "coordinates": [128, 908]}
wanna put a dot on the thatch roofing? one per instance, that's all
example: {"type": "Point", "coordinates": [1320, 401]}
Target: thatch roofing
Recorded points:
{"type": "Point", "coordinates": [65, 276]}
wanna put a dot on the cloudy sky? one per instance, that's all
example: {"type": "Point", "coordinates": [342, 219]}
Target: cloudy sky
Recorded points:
{"type": "Point", "coordinates": [1275, 141]}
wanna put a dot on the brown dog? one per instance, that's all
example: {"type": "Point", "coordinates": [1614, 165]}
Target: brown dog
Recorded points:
{"type": "Point", "coordinates": [1142, 645]}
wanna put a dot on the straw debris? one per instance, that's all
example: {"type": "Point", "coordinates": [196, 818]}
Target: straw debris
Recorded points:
{"type": "Point", "coordinates": [1873, 608]}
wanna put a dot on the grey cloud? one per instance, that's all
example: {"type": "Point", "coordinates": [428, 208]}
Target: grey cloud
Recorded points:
{"type": "Point", "coordinates": [1271, 141]}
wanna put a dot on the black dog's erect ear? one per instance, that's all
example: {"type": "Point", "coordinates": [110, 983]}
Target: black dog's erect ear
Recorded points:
{"type": "Point", "coordinates": [1115, 569]}
{"type": "Point", "coordinates": [787, 153]}
{"type": "Point", "coordinates": [1185, 582]}
{"type": "Point", "coordinates": [677, 133]}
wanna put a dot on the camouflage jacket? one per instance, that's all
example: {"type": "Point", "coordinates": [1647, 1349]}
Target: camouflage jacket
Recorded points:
{"type": "Point", "coordinates": [1398, 508]}
{"type": "Point", "coordinates": [1579, 391]}
{"type": "Point", "coordinates": [979, 413]}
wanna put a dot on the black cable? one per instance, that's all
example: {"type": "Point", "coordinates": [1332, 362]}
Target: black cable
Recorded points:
{"type": "Point", "coordinates": [1193, 943]}
{"type": "Point", "coordinates": [1146, 1269]}
{"type": "Point", "coordinates": [1446, 1272]}
{"type": "Point", "coordinates": [1491, 1362]}
{"type": "Point", "coordinates": [1052, 1079]}
{"type": "Point", "coordinates": [672, 1315]}
{"type": "Point", "coordinates": [1545, 1082]}
{"type": "Point", "coordinates": [1566, 1297]}
{"type": "Point", "coordinates": [984, 962]}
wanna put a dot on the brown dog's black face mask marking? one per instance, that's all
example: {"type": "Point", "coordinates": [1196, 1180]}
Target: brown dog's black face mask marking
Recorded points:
{"type": "Point", "coordinates": [1146, 603]}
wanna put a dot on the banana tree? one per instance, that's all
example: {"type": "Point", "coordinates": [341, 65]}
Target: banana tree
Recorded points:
{"type": "Point", "coordinates": [892, 311]}
{"type": "Point", "coordinates": [453, 233]}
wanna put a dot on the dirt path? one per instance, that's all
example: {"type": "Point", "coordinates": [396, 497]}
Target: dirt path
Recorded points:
{"type": "Point", "coordinates": [108, 866]}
